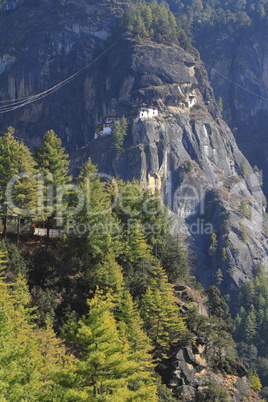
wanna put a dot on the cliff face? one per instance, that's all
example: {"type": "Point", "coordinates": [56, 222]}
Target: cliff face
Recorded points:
{"type": "Point", "coordinates": [42, 45]}
{"type": "Point", "coordinates": [237, 69]}
{"type": "Point", "coordinates": [187, 151]}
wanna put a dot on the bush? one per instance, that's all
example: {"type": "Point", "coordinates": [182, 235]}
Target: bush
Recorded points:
{"type": "Point", "coordinates": [213, 393]}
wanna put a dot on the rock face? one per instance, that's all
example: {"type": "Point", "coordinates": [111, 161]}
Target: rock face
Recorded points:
{"type": "Point", "coordinates": [188, 372]}
{"type": "Point", "coordinates": [190, 369]}
{"type": "Point", "coordinates": [187, 151]}
{"type": "Point", "coordinates": [42, 45]}
{"type": "Point", "coordinates": [238, 72]}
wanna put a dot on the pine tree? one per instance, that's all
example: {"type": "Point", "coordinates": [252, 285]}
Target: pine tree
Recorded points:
{"type": "Point", "coordinates": [213, 246]}
{"type": "Point", "coordinates": [52, 159]}
{"type": "Point", "coordinates": [162, 320]}
{"type": "Point", "coordinates": [119, 131]}
{"type": "Point", "coordinates": [27, 370]}
{"type": "Point", "coordinates": [17, 181]}
{"type": "Point", "coordinates": [109, 276]}
{"type": "Point", "coordinates": [250, 325]}
{"type": "Point", "coordinates": [173, 259]}
{"type": "Point", "coordinates": [130, 326]}
{"type": "Point", "coordinates": [53, 164]}
{"type": "Point", "coordinates": [219, 308]}
{"type": "Point", "coordinates": [243, 210]}
{"type": "Point", "coordinates": [219, 277]}
{"type": "Point", "coordinates": [220, 104]}
{"type": "Point", "coordinates": [106, 370]}
{"type": "Point", "coordinates": [95, 239]}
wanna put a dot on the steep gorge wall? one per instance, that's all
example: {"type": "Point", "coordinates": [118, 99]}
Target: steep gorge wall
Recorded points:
{"type": "Point", "coordinates": [237, 67]}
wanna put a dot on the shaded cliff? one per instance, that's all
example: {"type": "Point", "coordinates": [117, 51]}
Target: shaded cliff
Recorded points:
{"type": "Point", "coordinates": [42, 45]}
{"type": "Point", "coordinates": [237, 67]}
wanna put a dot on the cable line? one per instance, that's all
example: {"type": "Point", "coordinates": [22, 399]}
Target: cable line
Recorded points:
{"type": "Point", "coordinates": [14, 104]}
{"type": "Point", "coordinates": [235, 83]}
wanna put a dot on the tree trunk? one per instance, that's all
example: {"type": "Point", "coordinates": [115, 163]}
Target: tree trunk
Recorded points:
{"type": "Point", "coordinates": [18, 230]}
{"type": "Point", "coordinates": [5, 227]}
{"type": "Point", "coordinates": [48, 230]}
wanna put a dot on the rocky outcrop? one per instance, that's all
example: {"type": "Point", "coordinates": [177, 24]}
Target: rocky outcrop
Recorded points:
{"type": "Point", "coordinates": [191, 368]}
{"type": "Point", "coordinates": [189, 371]}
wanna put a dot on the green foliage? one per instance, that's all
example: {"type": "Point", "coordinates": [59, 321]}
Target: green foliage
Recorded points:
{"type": "Point", "coordinates": [220, 104]}
{"type": "Point", "coordinates": [221, 15]}
{"type": "Point", "coordinates": [17, 163]}
{"type": "Point", "coordinates": [213, 392]}
{"type": "Point", "coordinates": [173, 260]}
{"type": "Point", "coordinates": [219, 308]}
{"type": "Point", "coordinates": [189, 166]}
{"type": "Point", "coordinates": [243, 233]}
{"type": "Point", "coordinates": [106, 369]}
{"type": "Point", "coordinates": [219, 277]}
{"type": "Point", "coordinates": [118, 338]}
{"type": "Point", "coordinates": [223, 254]}
{"type": "Point", "coordinates": [53, 167]}
{"type": "Point", "coordinates": [52, 160]}
{"type": "Point", "coordinates": [161, 316]}
{"type": "Point", "coordinates": [251, 323]}
{"type": "Point", "coordinates": [255, 381]}
{"type": "Point", "coordinates": [29, 358]}
{"type": "Point", "coordinates": [16, 263]}
{"type": "Point", "coordinates": [151, 20]}
{"type": "Point", "coordinates": [244, 210]}
{"type": "Point", "coordinates": [220, 326]}
{"type": "Point", "coordinates": [213, 245]}
{"type": "Point", "coordinates": [244, 167]}
{"type": "Point", "coordinates": [119, 131]}
{"type": "Point", "coordinates": [163, 393]}
{"type": "Point", "coordinates": [157, 22]}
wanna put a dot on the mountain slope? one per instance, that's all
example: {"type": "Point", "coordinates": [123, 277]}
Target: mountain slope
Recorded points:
{"type": "Point", "coordinates": [187, 151]}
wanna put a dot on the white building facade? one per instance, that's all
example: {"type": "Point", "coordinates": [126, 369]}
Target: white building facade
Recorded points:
{"type": "Point", "coordinates": [149, 112]}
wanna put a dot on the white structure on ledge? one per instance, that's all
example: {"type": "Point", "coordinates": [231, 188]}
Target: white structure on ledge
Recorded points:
{"type": "Point", "coordinates": [106, 127]}
{"type": "Point", "coordinates": [147, 112]}
{"type": "Point", "coordinates": [191, 101]}
{"type": "Point", "coordinates": [112, 120]}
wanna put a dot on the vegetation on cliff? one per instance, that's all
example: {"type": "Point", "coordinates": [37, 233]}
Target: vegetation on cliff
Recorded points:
{"type": "Point", "coordinates": [107, 285]}
{"type": "Point", "coordinates": [107, 288]}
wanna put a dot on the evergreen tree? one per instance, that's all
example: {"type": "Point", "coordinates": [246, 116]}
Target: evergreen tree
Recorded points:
{"type": "Point", "coordinates": [162, 320]}
{"type": "Point", "coordinates": [173, 259]}
{"type": "Point", "coordinates": [243, 210]}
{"type": "Point", "coordinates": [219, 277]}
{"type": "Point", "coordinates": [28, 365]}
{"type": "Point", "coordinates": [106, 370]}
{"type": "Point", "coordinates": [17, 182]}
{"type": "Point", "coordinates": [250, 325]}
{"type": "Point", "coordinates": [119, 131]}
{"type": "Point", "coordinates": [219, 308]}
{"type": "Point", "coordinates": [53, 164]}
{"type": "Point", "coordinates": [213, 246]}
{"type": "Point", "coordinates": [94, 240]}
